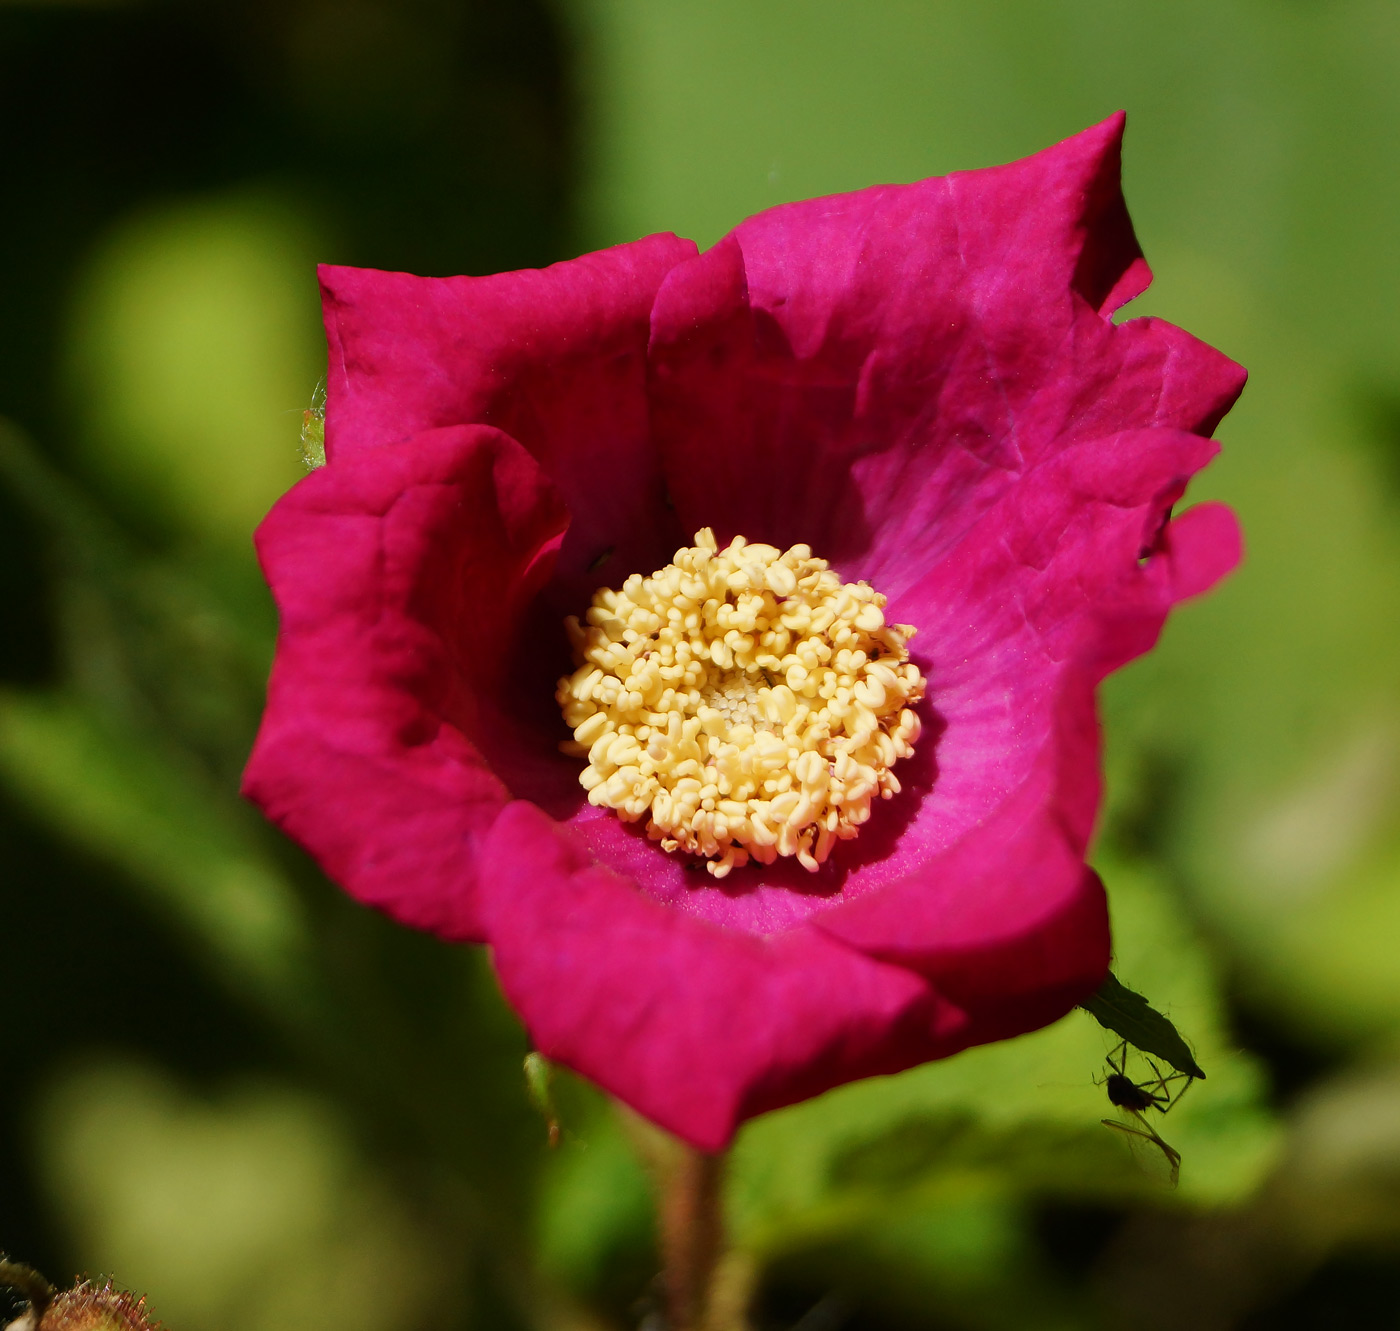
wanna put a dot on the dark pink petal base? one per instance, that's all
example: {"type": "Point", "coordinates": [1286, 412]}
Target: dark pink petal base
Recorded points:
{"type": "Point", "coordinates": [923, 383]}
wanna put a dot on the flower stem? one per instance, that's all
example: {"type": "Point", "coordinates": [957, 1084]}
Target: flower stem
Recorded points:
{"type": "Point", "coordinates": [706, 1286]}
{"type": "Point", "coordinates": [692, 1235]}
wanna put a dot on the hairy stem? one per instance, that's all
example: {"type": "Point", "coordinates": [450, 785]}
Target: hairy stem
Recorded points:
{"type": "Point", "coordinates": [706, 1288]}
{"type": "Point", "coordinates": [692, 1235]}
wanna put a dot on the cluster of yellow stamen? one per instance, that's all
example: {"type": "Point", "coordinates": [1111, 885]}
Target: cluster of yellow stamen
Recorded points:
{"type": "Point", "coordinates": [745, 699]}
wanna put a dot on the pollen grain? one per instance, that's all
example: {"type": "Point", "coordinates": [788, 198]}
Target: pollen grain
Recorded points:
{"type": "Point", "coordinates": [744, 701]}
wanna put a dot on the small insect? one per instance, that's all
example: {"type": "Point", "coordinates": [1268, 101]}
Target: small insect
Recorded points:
{"type": "Point", "coordinates": [313, 430]}
{"type": "Point", "coordinates": [601, 559]}
{"type": "Point", "coordinates": [1136, 1098]}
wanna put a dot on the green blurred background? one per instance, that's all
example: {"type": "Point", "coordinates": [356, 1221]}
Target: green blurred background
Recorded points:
{"type": "Point", "coordinates": [269, 1109]}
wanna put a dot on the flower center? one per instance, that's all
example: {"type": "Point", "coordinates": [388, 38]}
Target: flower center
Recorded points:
{"type": "Point", "coordinates": [745, 701]}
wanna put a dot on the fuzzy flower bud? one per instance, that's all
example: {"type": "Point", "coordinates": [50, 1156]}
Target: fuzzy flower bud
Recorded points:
{"type": "Point", "coordinates": [86, 1307]}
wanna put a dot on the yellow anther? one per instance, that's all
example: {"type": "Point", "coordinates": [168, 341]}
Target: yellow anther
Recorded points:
{"type": "Point", "coordinates": [745, 701]}
{"type": "Point", "coordinates": [870, 618]}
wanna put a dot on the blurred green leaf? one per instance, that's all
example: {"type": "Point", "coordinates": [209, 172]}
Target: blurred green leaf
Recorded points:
{"type": "Point", "coordinates": [195, 342]}
{"type": "Point", "coordinates": [116, 795]}
{"type": "Point", "coordinates": [1272, 703]}
{"type": "Point", "coordinates": [595, 1230]}
{"type": "Point", "coordinates": [248, 1211]}
{"type": "Point", "coordinates": [184, 617]}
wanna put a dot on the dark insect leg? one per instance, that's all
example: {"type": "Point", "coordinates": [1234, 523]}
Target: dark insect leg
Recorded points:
{"type": "Point", "coordinates": [1163, 1086]}
{"type": "Point", "coordinates": [1173, 1156]}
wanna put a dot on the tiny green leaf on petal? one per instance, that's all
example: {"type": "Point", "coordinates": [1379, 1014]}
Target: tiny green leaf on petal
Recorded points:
{"type": "Point", "coordinates": [539, 1074]}
{"type": "Point", "coordinates": [1125, 1013]}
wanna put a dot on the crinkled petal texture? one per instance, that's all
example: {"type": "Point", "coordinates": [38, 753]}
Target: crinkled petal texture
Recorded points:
{"type": "Point", "coordinates": [921, 382]}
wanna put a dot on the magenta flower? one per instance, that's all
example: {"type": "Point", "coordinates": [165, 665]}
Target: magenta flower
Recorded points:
{"type": "Point", "coordinates": [923, 384]}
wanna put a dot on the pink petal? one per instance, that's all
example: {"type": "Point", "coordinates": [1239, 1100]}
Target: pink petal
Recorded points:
{"type": "Point", "coordinates": [694, 1026]}
{"type": "Point", "coordinates": [1203, 545]}
{"type": "Point", "coordinates": [868, 372]}
{"type": "Point", "coordinates": [401, 574]}
{"type": "Point", "coordinates": [556, 357]}
{"type": "Point", "coordinates": [1008, 913]}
